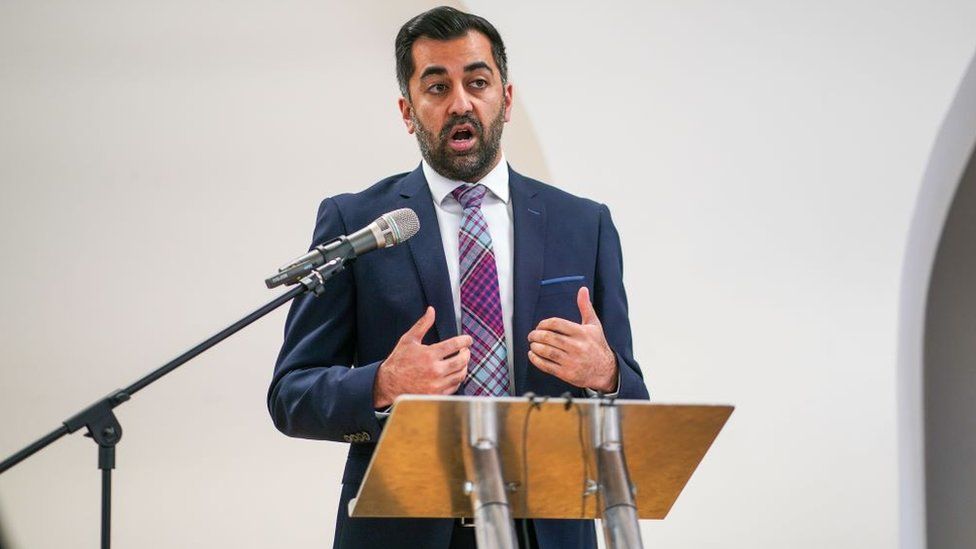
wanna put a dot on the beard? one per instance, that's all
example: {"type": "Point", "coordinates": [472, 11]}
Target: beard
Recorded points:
{"type": "Point", "coordinates": [471, 165]}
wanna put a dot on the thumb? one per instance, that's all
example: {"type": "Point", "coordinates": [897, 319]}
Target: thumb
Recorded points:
{"type": "Point", "coordinates": [587, 312]}
{"type": "Point", "coordinates": [422, 326]}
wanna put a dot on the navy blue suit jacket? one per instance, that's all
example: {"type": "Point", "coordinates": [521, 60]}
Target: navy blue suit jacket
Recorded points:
{"type": "Point", "coordinates": [323, 381]}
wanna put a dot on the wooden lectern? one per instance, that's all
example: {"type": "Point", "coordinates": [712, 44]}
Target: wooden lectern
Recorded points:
{"type": "Point", "coordinates": [496, 459]}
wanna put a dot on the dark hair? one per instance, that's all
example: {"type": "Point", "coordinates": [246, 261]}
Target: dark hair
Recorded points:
{"type": "Point", "coordinates": [443, 23]}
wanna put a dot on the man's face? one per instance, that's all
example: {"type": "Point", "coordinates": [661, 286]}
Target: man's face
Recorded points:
{"type": "Point", "coordinates": [457, 106]}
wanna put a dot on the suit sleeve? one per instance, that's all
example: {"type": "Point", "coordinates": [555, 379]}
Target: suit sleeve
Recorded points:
{"type": "Point", "coordinates": [610, 302]}
{"type": "Point", "coordinates": [316, 392]}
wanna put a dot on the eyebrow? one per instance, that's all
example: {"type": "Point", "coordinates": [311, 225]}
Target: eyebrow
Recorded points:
{"type": "Point", "coordinates": [438, 70]}
{"type": "Point", "coordinates": [478, 65]}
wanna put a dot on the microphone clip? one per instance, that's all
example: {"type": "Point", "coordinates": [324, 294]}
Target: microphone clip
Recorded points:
{"type": "Point", "coordinates": [340, 249]}
{"type": "Point", "coordinates": [315, 280]}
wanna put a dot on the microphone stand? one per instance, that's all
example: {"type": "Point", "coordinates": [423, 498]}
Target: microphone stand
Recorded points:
{"type": "Point", "coordinates": [104, 428]}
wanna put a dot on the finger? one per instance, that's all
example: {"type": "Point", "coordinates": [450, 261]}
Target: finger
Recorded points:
{"type": "Point", "coordinates": [421, 327]}
{"type": "Point", "coordinates": [451, 389]}
{"type": "Point", "coordinates": [543, 364]}
{"type": "Point", "coordinates": [560, 325]}
{"type": "Point", "coordinates": [450, 346]}
{"type": "Point", "coordinates": [456, 363]}
{"type": "Point", "coordinates": [587, 313]}
{"type": "Point", "coordinates": [553, 339]}
{"type": "Point", "coordinates": [549, 353]}
{"type": "Point", "coordinates": [455, 381]}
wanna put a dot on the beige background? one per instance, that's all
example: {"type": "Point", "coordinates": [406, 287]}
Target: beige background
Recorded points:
{"type": "Point", "coordinates": [765, 163]}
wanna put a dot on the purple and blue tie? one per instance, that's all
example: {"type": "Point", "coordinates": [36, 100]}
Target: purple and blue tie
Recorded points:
{"type": "Point", "coordinates": [481, 305]}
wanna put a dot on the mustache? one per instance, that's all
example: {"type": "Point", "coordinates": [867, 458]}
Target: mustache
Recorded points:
{"type": "Point", "coordinates": [455, 121]}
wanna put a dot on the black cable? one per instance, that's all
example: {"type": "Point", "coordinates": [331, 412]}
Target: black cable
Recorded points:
{"type": "Point", "coordinates": [534, 403]}
{"type": "Point", "coordinates": [574, 405]}
{"type": "Point", "coordinates": [586, 465]}
{"type": "Point", "coordinates": [586, 471]}
{"type": "Point", "coordinates": [569, 400]}
{"type": "Point", "coordinates": [579, 416]}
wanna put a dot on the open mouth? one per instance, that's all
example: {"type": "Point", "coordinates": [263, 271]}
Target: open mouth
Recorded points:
{"type": "Point", "coordinates": [463, 132]}
{"type": "Point", "coordinates": [462, 137]}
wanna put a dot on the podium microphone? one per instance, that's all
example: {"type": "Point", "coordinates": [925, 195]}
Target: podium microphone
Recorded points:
{"type": "Point", "coordinates": [389, 229]}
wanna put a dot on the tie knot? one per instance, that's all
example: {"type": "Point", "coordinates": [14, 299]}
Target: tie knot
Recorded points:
{"type": "Point", "coordinates": [469, 196]}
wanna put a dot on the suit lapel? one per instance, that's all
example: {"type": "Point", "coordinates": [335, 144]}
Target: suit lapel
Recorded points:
{"type": "Point", "coordinates": [529, 213]}
{"type": "Point", "coordinates": [427, 250]}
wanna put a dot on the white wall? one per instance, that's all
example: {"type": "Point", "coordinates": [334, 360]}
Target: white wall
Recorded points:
{"type": "Point", "coordinates": [762, 161]}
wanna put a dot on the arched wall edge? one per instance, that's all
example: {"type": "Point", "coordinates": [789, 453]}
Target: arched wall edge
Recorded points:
{"type": "Point", "coordinates": [950, 154]}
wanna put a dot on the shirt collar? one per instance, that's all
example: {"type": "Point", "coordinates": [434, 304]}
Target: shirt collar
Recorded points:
{"type": "Point", "coordinates": [496, 181]}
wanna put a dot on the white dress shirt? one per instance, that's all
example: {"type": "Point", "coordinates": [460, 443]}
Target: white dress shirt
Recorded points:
{"type": "Point", "coordinates": [497, 211]}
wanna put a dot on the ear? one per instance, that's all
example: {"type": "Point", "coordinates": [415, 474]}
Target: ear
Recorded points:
{"type": "Point", "coordinates": [509, 101]}
{"type": "Point", "coordinates": [404, 104]}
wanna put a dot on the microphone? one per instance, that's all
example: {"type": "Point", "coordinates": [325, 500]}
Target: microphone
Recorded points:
{"type": "Point", "coordinates": [388, 230]}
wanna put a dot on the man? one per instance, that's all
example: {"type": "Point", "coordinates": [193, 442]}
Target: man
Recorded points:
{"type": "Point", "coordinates": [510, 286]}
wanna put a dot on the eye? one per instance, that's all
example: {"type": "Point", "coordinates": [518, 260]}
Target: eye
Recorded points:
{"type": "Point", "coordinates": [479, 83]}
{"type": "Point", "coordinates": [437, 88]}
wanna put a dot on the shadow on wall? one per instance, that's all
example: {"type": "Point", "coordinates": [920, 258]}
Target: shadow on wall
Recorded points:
{"type": "Point", "coordinates": [3, 538]}
{"type": "Point", "coordinates": [950, 375]}
{"type": "Point", "coordinates": [921, 321]}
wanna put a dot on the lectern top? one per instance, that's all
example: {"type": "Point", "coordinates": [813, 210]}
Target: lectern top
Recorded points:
{"type": "Point", "coordinates": [546, 448]}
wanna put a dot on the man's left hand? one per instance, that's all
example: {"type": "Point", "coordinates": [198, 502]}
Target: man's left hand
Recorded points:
{"type": "Point", "coordinates": [575, 353]}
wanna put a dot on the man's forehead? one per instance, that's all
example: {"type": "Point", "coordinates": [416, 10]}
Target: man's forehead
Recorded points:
{"type": "Point", "coordinates": [454, 54]}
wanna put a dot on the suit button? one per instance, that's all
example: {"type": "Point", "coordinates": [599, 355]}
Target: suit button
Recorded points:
{"type": "Point", "coordinates": [361, 436]}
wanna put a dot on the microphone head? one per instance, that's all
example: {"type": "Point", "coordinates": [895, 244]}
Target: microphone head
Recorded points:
{"type": "Point", "coordinates": [397, 226]}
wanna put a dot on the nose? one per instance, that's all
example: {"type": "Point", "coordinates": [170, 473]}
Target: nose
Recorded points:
{"type": "Point", "coordinates": [460, 101]}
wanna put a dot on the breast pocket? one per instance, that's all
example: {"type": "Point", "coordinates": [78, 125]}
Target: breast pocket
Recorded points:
{"type": "Point", "coordinates": [561, 285]}
{"type": "Point", "coordinates": [557, 298]}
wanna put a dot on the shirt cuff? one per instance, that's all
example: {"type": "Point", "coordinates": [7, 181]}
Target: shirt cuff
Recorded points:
{"type": "Point", "coordinates": [597, 394]}
{"type": "Point", "coordinates": [384, 413]}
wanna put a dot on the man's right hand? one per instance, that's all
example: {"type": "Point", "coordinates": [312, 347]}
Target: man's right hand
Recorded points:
{"type": "Point", "coordinates": [418, 369]}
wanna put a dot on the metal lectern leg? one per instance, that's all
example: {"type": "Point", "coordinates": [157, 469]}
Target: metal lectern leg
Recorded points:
{"type": "Point", "coordinates": [621, 528]}
{"type": "Point", "coordinates": [494, 528]}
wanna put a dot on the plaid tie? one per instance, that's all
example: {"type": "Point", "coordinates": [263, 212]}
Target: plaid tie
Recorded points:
{"type": "Point", "coordinates": [481, 306]}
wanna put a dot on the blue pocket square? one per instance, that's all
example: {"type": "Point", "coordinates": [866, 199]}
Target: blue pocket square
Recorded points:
{"type": "Point", "coordinates": [559, 279]}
